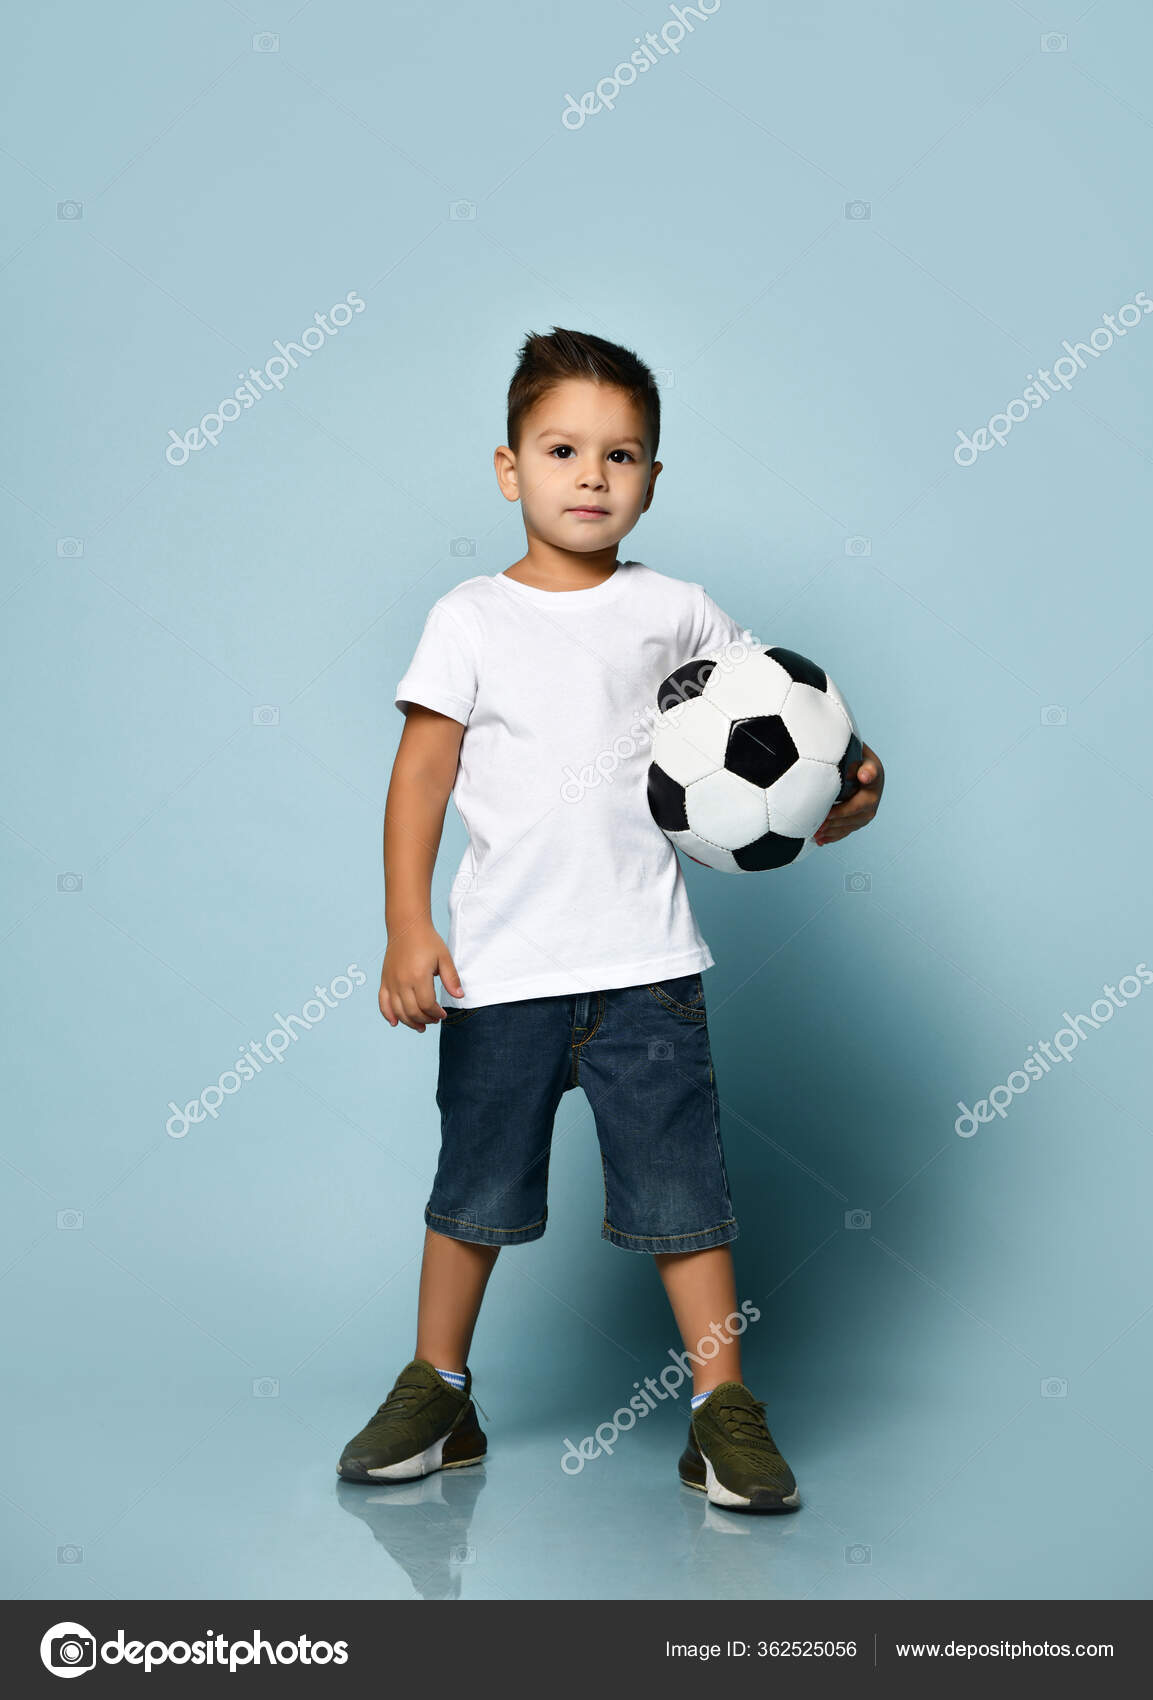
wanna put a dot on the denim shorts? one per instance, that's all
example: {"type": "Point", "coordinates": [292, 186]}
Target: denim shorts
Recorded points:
{"type": "Point", "coordinates": [642, 1055]}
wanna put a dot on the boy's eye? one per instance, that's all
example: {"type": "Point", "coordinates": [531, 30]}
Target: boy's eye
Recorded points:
{"type": "Point", "coordinates": [566, 449]}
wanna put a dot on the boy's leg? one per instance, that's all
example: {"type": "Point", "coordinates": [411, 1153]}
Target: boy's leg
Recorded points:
{"type": "Point", "coordinates": [702, 1291]}
{"type": "Point", "coordinates": [731, 1455]}
{"type": "Point", "coordinates": [453, 1277]}
{"type": "Point", "coordinates": [428, 1422]}
{"type": "Point", "coordinates": [647, 1069]}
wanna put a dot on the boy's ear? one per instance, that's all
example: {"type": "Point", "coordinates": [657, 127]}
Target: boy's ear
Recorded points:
{"type": "Point", "coordinates": [504, 464]}
{"type": "Point", "coordinates": [657, 467]}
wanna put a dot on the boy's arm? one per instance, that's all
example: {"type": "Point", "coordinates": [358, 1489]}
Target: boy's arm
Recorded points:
{"type": "Point", "coordinates": [423, 775]}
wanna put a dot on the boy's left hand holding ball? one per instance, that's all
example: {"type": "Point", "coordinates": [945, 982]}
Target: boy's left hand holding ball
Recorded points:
{"type": "Point", "coordinates": [844, 818]}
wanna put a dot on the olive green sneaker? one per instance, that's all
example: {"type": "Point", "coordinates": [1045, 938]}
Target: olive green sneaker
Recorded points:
{"type": "Point", "coordinates": [424, 1425]}
{"type": "Point", "coordinates": [733, 1458]}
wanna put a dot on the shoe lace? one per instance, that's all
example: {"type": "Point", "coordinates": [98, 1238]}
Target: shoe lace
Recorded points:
{"type": "Point", "coordinates": [746, 1423]}
{"type": "Point", "coordinates": [405, 1397]}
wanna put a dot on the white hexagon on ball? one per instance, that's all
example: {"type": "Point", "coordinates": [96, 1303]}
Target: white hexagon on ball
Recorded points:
{"type": "Point", "coordinates": [710, 854]}
{"type": "Point", "coordinates": [752, 685]}
{"type": "Point", "coordinates": [801, 798]}
{"type": "Point", "coordinates": [689, 740]}
{"type": "Point", "coordinates": [726, 810]}
{"type": "Point", "coordinates": [836, 697]}
{"type": "Point", "coordinates": [816, 723]}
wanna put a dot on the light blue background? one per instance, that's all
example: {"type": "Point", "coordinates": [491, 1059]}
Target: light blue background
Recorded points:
{"type": "Point", "coordinates": [816, 369]}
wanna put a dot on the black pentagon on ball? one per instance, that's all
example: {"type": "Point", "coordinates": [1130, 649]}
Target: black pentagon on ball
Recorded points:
{"type": "Point", "coordinates": [771, 851]}
{"type": "Point", "coordinates": [848, 766]}
{"type": "Point", "coordinates": [760, 749]}
{"type": "Point", "coordinates": [667, 800]}
{"type": "Point", "coordinates": [798, 667]}
{"type": "Point", "coordinates": [683, 683]}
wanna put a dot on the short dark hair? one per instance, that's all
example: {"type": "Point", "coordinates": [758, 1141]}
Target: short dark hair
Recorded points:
{"type": "Point", "coordinates": [546, 361]}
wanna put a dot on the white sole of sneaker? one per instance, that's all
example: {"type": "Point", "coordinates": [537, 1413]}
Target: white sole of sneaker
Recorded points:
{"type": "Point", "coordinates": [720, 1495]}
{"type": "Point", "coordinates": [421, 1464]}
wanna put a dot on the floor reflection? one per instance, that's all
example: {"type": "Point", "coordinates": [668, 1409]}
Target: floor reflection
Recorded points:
{"type": "Point", "coordinates": [424, 1525]}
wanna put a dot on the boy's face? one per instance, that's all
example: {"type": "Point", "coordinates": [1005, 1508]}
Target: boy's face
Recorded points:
{"type": "Point", "coordinates": [583, 475]}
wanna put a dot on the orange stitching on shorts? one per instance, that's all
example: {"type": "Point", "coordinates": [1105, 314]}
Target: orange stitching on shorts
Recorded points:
{"type": "Point", "coordinates": [577, 1046]}
{"type": "Point", "coordinates": [694, 1012]}
{"type": "Point", "coordinates": [457, 1222]}
{"type": "Point", "coordinates": [729, 1222]}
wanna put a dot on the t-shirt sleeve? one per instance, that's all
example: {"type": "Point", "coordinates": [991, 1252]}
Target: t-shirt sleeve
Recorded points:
{"type": "Point", "coordinates": [442, 673]}
{"type": "Point", "coordinates": [714, 628]}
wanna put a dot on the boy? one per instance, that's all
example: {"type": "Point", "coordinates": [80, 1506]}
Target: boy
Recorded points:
{"type": "Point", "coordinates": [575, 958]}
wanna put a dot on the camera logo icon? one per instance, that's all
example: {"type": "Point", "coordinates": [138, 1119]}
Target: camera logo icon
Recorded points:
{"type": "Point", "coordinates": [67, 1649]}
{"type": "Point", "coordinates": [1053, 42]}
{"type": "Point", "coordinates": [462, 546]}
{"type": "Point", "coordinates": [70, 882]}
{"type": "Point", "coordinates": [1054, 1387]}
{"type": "Point", "coordinates": [858, 209]}
{"type": "Point", "coordinates": [858, 1219]}
{"type": "Point", "coordinates": [858, 882]}
{"type": "Point", "coordinates": [858, 546]}
{"type": "Point", "coordinates": [1054, 714]}
{"type": "Point", "coordinates": [858, 1554]}
{"type": "Point", "coordinates": [462, 209]}
{"type": "Point", "coordinates": [660, 1050]}
{"type": "Point", "coordinates": [266, 714]}
{"type": "Point", "coordinates": [266, 42]}
{"type": "Point", "coordinates": [70, 209]}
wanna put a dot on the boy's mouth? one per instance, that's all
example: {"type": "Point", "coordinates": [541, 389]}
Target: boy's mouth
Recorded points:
{"type": "Point", "coordinates": [593, 513]}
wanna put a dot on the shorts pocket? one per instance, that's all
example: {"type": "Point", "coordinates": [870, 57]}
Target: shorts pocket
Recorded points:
{"type": "Point", "coordinates": [684, 995]}
{"type": "Point", "coordinates": [454, 1017]}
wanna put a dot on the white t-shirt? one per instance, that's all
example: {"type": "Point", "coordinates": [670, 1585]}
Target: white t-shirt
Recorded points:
{"type": "Point", "coordinates": [568, 884]}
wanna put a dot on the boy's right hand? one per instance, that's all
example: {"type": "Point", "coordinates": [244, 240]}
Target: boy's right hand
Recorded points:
{"type": "Point", "coordinates": [407, 993]}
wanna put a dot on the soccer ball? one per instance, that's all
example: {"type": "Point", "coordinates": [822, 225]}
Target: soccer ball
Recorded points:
{"type": "Point", "coordinates": [749, 755]}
